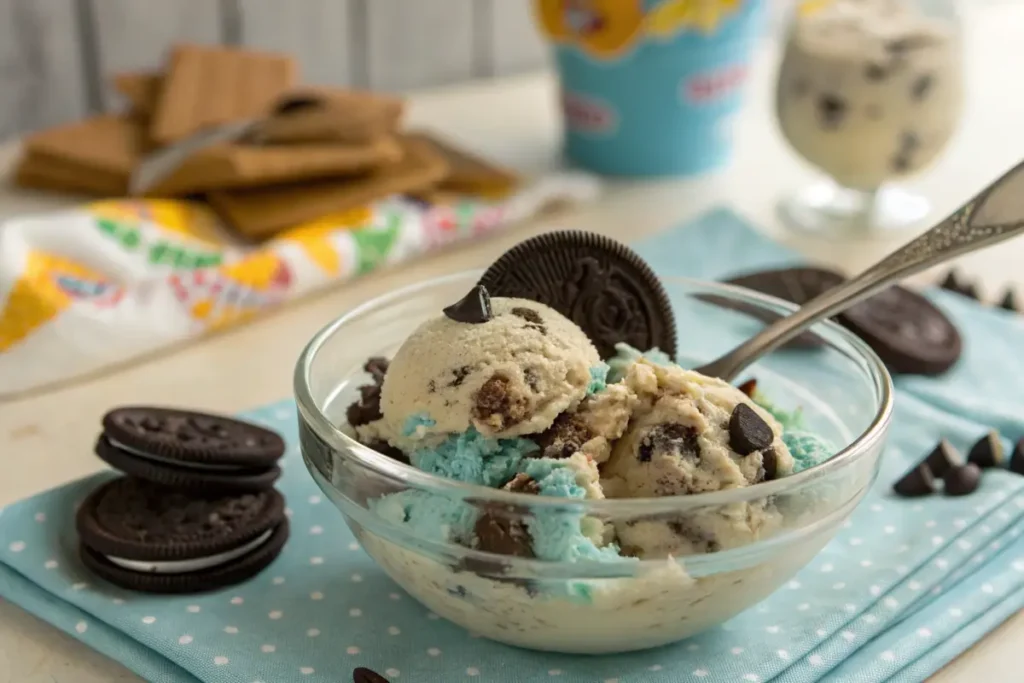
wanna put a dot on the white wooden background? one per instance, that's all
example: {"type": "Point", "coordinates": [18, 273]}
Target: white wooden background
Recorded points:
{"type": "Point", "coordinates": [57, 56]}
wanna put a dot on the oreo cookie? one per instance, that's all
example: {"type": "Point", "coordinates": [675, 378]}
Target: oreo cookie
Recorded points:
{"type": "Point", "coordinates": [146, 537]}
{"type": "Point", "coordinates": [600, 284]}
{"type": "Point", "coordinates": [190, 450]}
{"type": "Point", "coordinates": [907, 331]}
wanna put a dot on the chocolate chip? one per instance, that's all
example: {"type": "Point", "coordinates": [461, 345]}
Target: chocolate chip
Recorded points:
{"type": "Point", "coordinates": [565, 436]}
{"type": "Point", "coordinates": [522, 483]}
{"type": "Point", "coordinates": [943, 458]}
{"type": "Point", "coordinates": [532, 317]}
{"type": "Point", "coordinates": [915, 483]}
{"type": "Point", "coordinates": [503, 534]}
{"type": "Point", "coordinates": [474, 308]}
{"type": "Point", "coordinates": [1017, 459]}
{"type": "Point", "coordinates": [1009, 301]}
{"type": "Point", "coordinates": [951, 282]}
{"type": "Point", "coordinates": [831, 110]}
{"type": "Point", "coordinates": [919, 89]}
{"type": "Point", "coordinates": [962, 480]}
{"type": "Point", "coordinates": [748, 387]}
{"type": "Point", "coordinates": [363, 675]}
{"type": "Point", "coordinates": [875, 72]}
{"type": "Point", "coordinates": [367, 408]}
{"type": "Point", "coordinates": [668, 438]}
{"type": "Point", "coordinates": [699, 537]}
{"type": "Point", "coordinates": [387, 449]}
{"type": "Point", "coordinates": [460, 375]}
{"type": "Point", "coordinates": [494, 399]}
{"type": "Point", "coordinates": [987, 451]}
{"type": "Point", "coordinates": [770, 464]}
{"type": "Point", "coordinates": [747, 431]}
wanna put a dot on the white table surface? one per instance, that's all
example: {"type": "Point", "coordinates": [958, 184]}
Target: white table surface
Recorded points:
{"type": "Point", "coordinates": [46, 439]}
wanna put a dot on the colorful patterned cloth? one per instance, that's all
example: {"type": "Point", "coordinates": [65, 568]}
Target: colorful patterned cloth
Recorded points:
{"type": "Point", "coordinates": [86, 288]}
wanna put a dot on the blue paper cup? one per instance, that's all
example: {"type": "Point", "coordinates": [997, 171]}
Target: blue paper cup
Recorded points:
{"type": "Point", "coordinates": [661, 103]}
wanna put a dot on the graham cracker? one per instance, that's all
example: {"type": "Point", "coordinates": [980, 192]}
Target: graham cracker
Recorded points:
{"type": "Point", "coordinates": [262, 212]}
{"type": "Point", "coordinates": [468, 173]}
{"type": "Point", "coordinates": [234, 165]}
{"type": "Point", "coordinates": [212, 85]}
{"type": "Point", "coordinates": [141, 89]}
{"type": "Point", "coordinates": [330, 114]}
{"type": "Point", "coordinates": [94, 155]}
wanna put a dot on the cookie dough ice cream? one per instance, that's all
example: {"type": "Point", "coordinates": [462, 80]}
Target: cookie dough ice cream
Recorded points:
{"type": "Point", "coordinates": [870, 90]}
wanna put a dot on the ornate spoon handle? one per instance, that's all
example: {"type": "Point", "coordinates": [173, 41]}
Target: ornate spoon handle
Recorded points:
{"type": "Point", "coordinates": [994, 215]}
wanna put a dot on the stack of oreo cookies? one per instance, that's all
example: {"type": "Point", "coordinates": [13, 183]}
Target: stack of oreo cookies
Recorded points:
{"type": "Point", "coordinates": [196, 509]}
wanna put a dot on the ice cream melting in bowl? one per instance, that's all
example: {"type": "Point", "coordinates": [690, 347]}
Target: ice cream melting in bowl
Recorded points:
{"type": "Point", "coordinates": [570, 570]}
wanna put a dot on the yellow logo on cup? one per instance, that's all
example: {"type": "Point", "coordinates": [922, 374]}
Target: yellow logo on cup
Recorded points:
{"type": "Point", "coordinates": [674, 16]}
{"type": "Point", "coordinates": [602, 28]}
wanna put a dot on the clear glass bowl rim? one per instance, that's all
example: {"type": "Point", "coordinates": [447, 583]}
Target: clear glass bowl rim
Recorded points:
{"type": "Point", "coordinates": [390, 469]}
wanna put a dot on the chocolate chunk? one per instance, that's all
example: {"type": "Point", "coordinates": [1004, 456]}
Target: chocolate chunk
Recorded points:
{"type": "Point", "coordinates": [494, 399]}
{"type": "Point", "coordinates": [503, 533]}
{"type": "Point", "coordinates": [748, 387]}
{"type": "Point", "coordinates": [921, 85]}
{"type": "Point", "coordinates": [474, 308]}
{"type": "Point", "coordinates": [387, 449]}
{"type": "Point", "coordinates": [770, 464]}
{"type": "Point", "coordinates": [962, 480]}
{"type": "Point", "coordinates": [377, 367]}
{"type": "Point", "coordinates": [363, 675]}
{"type": "Point", "coordinates": [831, 110]}
{"type": "Point", "coordinates": [915, 483]}
{"type": "Point", "coordinates": [1017, 459]}
{"type": "Point", "coordinates": [943, 458]}
{"type": "Point", "coordinates": [987, 451]}
{"type": "Point", "coordinates": [600, 284]}
{"type": "Point", "coordinates": [1009, 301]}
{"type": "Point", "coordinates": [367, 408]}
{"type": "Point", "coordinates": [698, 536]}
{"type": "Point", "coordinates": [747, 431]}
{"type": "Point", "coordinates": [522, 483]}
{"type": "Point", "coordinates": [532, 317]}
{"type": "Point", "coordinates": [668, 438]}
{"type": "Point", "coordinates": [565, 436]}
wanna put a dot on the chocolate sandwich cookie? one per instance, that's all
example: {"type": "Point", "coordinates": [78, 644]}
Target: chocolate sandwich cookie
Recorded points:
{"type": "Point", "coordinates": [190, 450]}
{"type": "Point", "coordinates": [147, 537]}
{"type": "Point", "coordinates": [907, 331]}
{"type": "Point", "coordinates": [600, 284]}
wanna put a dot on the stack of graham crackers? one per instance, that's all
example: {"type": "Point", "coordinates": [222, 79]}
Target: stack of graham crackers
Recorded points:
{"type": "Point", "coordinates": [314, 152]}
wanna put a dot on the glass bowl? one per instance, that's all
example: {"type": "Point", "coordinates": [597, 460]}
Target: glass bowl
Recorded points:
{"type": "Point", "coordinates": [768, 531]}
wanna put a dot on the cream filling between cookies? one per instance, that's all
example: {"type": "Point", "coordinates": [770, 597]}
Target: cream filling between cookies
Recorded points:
{"type": "Point", "coordinates": [195, 565]}
{"type": "Point", "coordinates": [192, 465]}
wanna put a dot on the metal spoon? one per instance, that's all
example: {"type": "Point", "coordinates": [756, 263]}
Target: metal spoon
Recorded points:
{"type": "Point", "coordinates": [995, 214]}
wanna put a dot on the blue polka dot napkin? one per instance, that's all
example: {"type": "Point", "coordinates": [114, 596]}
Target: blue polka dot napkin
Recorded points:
{"type": "Point", "coordinates": [903, 589]}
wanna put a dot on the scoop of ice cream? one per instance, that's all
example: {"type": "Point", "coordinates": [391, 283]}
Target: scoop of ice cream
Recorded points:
{"type": "Point", "coordinates": [690, 434]}
{"type": "Point", "coordinates": [510, 375]}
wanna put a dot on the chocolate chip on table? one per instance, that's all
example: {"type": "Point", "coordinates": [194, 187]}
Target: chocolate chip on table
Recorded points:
{"type": "Point", "coordinates": [474, 308]}
{"type": "Point", "coordinates": [921, 85]}
{"type": "Point", "coordinates": [1009, 301]}
{"type": "Point", "coordinates": [671, 438]}
{"type": "Point", "coordinates": [963, 480]}
{"type": "Point", "coordinates": [495, 399]}
{"type": "Point", "coordinates": [916, 483]}
{"type": "Point", "coordinates": [363, 675]}
{"type": "Point", "coordinates": [748, 387]}
{"type": "Point", "coordinates": [987, 451]}
{"type": "Point", "coordinates": [747, 431]}
{"type": "Point", "coordinates": [1017, 459]}
{"type": "Point", "coordinates": [565, 436]}
{"type": "Point", "coordinates": [943, 458]}
{"type": "Point", "coordinates": [831, 110]}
